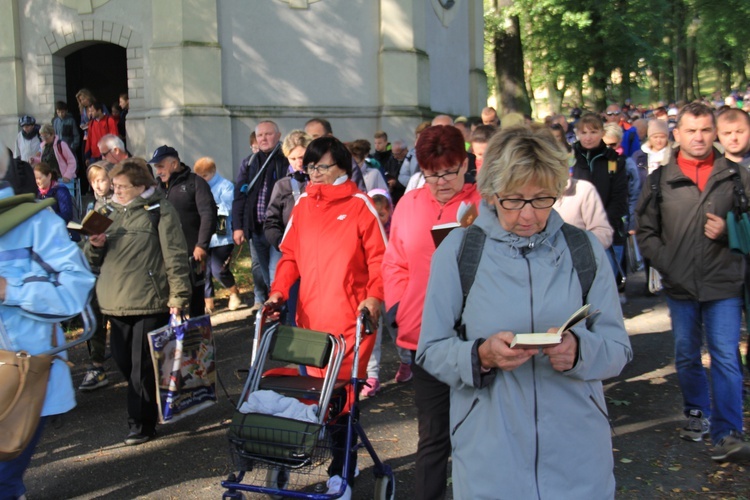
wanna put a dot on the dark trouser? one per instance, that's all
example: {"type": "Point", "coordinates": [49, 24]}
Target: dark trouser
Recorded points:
{"type": "Point", "coordinates": [98, 343]}
{"type": "Point", "coordinates": [260, 253]}
{"type": "Point", "coordinates": [218, 266]}
{"type": "Point", "coordinates": [11, 472]}
{"type": "Point", "coordinates": [338, 442]}
{"type": "Point", "coordinates": [197, 305]}
{"type": "Point", "coordinates": [432, 399]}
{"type": "Point", "coordinates": [129, 343]}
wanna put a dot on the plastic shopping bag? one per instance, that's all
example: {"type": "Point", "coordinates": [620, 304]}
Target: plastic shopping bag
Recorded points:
{"type": "Point", "coordinates": [185, 364]}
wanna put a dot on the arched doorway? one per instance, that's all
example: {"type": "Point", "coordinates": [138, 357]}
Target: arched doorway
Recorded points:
{"type": "Point", "coordinates": [102, 68]}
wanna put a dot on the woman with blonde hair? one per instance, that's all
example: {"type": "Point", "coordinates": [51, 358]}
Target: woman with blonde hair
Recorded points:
{"type": "Point", "coordinates": [532, 410]}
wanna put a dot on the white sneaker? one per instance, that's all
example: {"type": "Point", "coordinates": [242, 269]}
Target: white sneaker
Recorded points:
{"type": "Point", "coordinates": [234, 302]}
{"type": "Point", "coordinates": [334, 486]}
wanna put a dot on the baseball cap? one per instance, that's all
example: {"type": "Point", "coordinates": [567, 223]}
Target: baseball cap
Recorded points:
{"type": "Point", "coordinates": [163, 152]}
{"type": "Point", "coordinates": [26, 120]}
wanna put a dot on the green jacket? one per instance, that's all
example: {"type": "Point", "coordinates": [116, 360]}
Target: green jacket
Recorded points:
{"type": "Point", "coordinates": [143, 271]}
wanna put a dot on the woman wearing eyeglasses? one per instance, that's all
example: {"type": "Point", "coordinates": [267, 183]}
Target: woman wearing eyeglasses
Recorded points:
{"type": "Point", "coordinates": [524, 422]}
{"type": "Point", "coordinates": [334, 245]}
{"type": "Point", "coordinates": [441, 155]}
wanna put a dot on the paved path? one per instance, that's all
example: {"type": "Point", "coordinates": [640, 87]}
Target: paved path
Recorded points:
{"type": "Point", "coordinates": [82, 455]}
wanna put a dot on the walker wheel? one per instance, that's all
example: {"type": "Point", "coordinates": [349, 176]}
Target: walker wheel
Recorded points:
{"type": "Point", "coordinates": [385, 488]}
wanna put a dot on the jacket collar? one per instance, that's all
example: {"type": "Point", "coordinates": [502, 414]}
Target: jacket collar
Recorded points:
{"type": "Point", "coordinates": [489, 222]}
{"type": "Point", "coordinates": [722, 169]}
{"type": "Point", "coordinates": [332, 192]}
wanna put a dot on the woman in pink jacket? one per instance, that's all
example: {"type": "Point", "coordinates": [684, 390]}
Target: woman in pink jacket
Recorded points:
{"type": "Point", "coordinates": [57, 154]}
{"type": "Point", "coordinates": [441, 155]}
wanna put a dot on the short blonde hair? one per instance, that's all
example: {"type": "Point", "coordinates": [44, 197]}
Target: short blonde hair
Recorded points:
{"type": "Point", "coordinates": [204, 165]}
{"type": "Point", "coordinates": [613, 130]}
{"type": "Point", "coordinates": [520, 155]}
{"type": "Point", "coordinates": [295, 138]}
{"type": "Point", "coordinates": [103, 167]}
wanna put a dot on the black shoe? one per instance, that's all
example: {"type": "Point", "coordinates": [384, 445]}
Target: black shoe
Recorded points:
{"type": "Point", "coordinates": [136, 438]}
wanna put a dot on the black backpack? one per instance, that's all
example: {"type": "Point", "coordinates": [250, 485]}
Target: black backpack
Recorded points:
{"type": "Point", "coordinates": [470, 253]}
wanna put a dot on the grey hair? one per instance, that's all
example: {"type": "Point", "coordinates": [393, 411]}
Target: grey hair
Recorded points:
{"type": "Point", "coordinates": [519, 155]}
{"type": "Point", "coordinates": [47, 129]}
{"type": "Point", "coordinates": [112, 141]}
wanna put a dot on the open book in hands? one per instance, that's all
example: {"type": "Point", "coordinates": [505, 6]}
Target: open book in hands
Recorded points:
{"type": "Point", "coordinates": [465, 216]}
{"type": "Point", "coordinates": [92, 223]}
{"type": "Point", "coordinates": [541, 340]}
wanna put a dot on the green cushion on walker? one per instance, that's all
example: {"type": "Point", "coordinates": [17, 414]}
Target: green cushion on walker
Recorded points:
{"type": "Point", "coordinates": [300, 346]}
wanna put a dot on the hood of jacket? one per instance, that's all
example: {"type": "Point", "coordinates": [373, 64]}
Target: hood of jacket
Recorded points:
{"type": "Point", "coordinates": [489, 223]}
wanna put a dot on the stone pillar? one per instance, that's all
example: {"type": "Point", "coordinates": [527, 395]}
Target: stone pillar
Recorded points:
{"type": "Point", "coordinates": [11, 72]}
{"type": "Point", "coordinates": [183, 84]}
{"type": "Point", "coordinates": [404, 66]}
{"type": "Point", "coordinates": [477, 76]}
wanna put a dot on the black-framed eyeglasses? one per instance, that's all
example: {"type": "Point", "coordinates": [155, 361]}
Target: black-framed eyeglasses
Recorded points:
{"type": "Point", "coordinates": [104, 155]}
{"type": "Point", "coordinates": [612, 113]}
{"type": "Point", "coordinates": [446, 176]}
{"type": "Point", "coordinates": [518, 203]}
{"type": "Point", "coordinates": [612, 145]}
{"type": "Point", "coordinates": [321, 168]}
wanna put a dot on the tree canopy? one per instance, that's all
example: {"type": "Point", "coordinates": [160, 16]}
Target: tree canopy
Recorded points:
{"type": "Point", "coordinates": [602, 52]}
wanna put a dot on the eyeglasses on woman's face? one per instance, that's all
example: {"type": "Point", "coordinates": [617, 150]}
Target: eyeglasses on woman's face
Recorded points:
{"type": "Point", "coordinates": [321, 168]}
{"type": "Point", "coordinates": [540, 203]}
{"type": "Point", "coordinates": [446, 176]}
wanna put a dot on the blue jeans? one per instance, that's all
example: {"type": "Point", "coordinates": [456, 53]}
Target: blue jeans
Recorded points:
{"type": "Point", "coordinates": [720, 320]}
{"type": "Point", "coordinates": [618, 250]}
{"type": "Point", "coordinates": [11, 472]}
{"type": "Point", "coordinates": [260, 253]}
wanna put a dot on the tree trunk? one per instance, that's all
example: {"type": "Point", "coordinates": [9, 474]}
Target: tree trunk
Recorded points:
{"type": "Point", "coordinates": [680, 52]}
{"type": "Point", "coordinates": [511, 86]}
{"type": "Point", "coordinates": [690, 69]}
{"type": "Point", "coordinates": [654, 85]}
{"type": "Point", "coordinates": [598, 82]}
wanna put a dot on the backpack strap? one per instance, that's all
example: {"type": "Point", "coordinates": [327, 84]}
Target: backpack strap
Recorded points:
{"type": "Point", "coordinates": [472, 246]}
{"type": "Point", "coordinates": [16, 209]}
{"type": "Point", "coordinates": [740, 198]}
{"type": "Point", "coordinates": [154, 214]}
{"type": "Point", "coordinates": [469, 256]}
{"type": "Point", "coordinates": [295, 188]}
{"type": "Point", "coordinates": [582, 254]}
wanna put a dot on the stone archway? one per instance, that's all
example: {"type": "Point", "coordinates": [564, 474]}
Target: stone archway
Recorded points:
{"type": "Point", "coordinates": [51, 52]}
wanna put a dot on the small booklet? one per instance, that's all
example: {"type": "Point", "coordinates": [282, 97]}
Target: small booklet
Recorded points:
{"type": "Point", "coordinates": [541, 340]}
{"type": "Point", "coordinates": [92, 223]}
{"type": "Point", "coordinates": [465, 216]}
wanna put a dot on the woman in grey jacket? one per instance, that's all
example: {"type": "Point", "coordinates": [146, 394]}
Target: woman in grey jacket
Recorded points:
{"type": "Point", "coordinates": [525, 423]}
{"type": "Point", "coordinates": [144, 278]}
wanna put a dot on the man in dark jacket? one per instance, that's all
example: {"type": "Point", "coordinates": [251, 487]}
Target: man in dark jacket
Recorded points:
{"type": "Point", "coordinates": [192, 198]}
{"type": "Point", "coordinates": [682, 231]}
{"type": "Point", "coordinates": [252, 192]}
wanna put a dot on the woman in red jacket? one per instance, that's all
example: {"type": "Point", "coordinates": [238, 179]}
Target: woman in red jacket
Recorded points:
{"type": "Point", "coordinates": [334, 244]}
{"type": "Point", "coordinates": [441, 155]}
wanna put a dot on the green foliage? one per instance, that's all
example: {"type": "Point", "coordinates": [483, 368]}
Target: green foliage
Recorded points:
{"type": "Point", "coordinates": [567, 42]}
